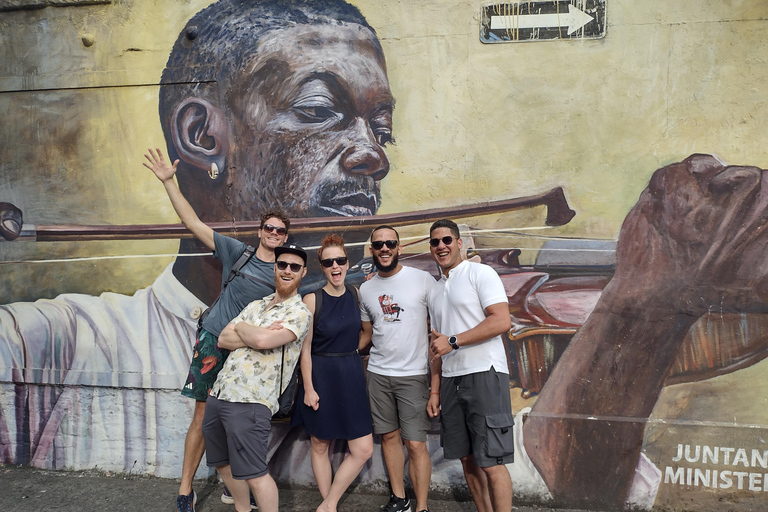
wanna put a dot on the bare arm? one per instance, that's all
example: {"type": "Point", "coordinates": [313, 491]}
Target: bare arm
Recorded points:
{"type": "Point", "coordinates": [497, 321]}
{"type": "Point", "coordinates": [311, 398]}
{"type": "Point", "coordinates": [165, 173]}
{"type": "Point", "coordinates": [229, 339]}
{"type": "Point", "coordinates": [436, 372]}
{"type": "Point", "coordinates": [261, 338]}
{"type": "Point", "coordinates": [366, 333]}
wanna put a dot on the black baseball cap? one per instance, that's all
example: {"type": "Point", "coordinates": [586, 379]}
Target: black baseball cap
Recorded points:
{"type": "Point", "coordinates": [291, 249]}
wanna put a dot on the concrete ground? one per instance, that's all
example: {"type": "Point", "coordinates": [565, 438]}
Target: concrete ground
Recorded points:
{"type": "Point", "coordinates": [25, 489]}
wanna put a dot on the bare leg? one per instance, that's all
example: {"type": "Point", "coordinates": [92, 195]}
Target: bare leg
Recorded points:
{"type": "Point", "coordinates": [360, 450]}
{"type": "Point", "coordinates": [194, 448]}
{"type": "Point", "coordinates": [478, 484]}
{"type": "Point", "coordinates": [321, 464]}
{"type": "Point", "coordinates": [238, 488]}
{"type": "Point", "coordinates": [394, 459]}
{"type": "Point", "coordinates": [265, 492]}
{"type": "Point", "coordinates": [500, 487]}
{"type": "Point", "coordinates": [420, 469]}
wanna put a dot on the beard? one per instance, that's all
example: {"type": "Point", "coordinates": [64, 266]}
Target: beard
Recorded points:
{"type": "Point", "coordinates": [387, 268]}
{"type": "Point", "coordinates": [286, 289]}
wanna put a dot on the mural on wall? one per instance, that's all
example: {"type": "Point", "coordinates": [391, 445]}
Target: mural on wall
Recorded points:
{"type": "Point", "coordinates": [273, 104]}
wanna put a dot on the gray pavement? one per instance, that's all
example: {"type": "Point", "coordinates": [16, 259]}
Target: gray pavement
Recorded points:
{"type": "Point", "coordinates": [26, 489]}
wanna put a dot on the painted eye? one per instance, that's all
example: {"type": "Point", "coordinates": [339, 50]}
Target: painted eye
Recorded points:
{"type": "Point", "coordinates": [317, 114]}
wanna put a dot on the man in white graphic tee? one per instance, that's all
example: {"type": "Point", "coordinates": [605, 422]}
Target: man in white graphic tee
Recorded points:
{"type": "Point", "coordinates": [393, 307]}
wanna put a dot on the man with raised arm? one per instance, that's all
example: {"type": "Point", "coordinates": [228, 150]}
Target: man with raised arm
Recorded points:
{"type": "Point", "coordinates": [469, 312]}
{"type": "Point", "coordinates": [253, 281]}
{"type": "Point", "coordinates": [393, 306]}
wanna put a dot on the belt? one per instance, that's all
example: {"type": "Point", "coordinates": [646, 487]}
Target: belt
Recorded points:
{"type": "Point", "coordinates": [335, 354]}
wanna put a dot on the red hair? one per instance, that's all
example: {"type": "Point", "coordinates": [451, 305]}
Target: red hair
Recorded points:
{"type": "Point", "coordinates": [330, 240]}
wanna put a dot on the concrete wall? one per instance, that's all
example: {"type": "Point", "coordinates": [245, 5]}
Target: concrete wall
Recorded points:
{"type": "Point", "coordinates": [473, 122]}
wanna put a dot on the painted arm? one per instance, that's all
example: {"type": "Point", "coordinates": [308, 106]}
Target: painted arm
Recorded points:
{"type": "Point", "coordinates": [497, 321]}
{"type": "Point", "coordinates": [695, 241]}
{"type": "Point", "coordinates": [311, 398]}
{"type": "Point", "coordinates": [165, 173]}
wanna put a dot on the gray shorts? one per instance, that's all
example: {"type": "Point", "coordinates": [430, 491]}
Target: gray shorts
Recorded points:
{"type": "Point", "coordinates": [476, 418]}
{"type": "Point", "coordinates": [237, 434]}
{"type": "Point", "coordinates": [399, 402]}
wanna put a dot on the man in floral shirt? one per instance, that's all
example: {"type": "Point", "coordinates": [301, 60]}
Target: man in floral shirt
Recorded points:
{"type": "Point", "coordinates": [267, 334]}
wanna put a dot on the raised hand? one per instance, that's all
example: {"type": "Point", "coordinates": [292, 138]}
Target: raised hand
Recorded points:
{"type": "Point", "coordinates": [157, 164]}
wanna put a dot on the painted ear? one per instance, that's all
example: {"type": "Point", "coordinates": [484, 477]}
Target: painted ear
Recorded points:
{"type": "Point", "coordinates": [201, 135]}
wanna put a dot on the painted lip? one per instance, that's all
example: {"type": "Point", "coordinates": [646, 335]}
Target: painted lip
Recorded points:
{"type": "Point", "coordinates": [353, 204]}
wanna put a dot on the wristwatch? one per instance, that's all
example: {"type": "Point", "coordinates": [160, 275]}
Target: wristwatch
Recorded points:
{"type": "Point", "coordinates": [453, 342]}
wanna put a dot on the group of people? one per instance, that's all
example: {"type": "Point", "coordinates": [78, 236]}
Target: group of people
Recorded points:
{"type": "Point", "coordinates": [442, 355]}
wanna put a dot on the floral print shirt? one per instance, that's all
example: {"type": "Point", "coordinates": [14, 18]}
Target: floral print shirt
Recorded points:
{"type": "Point", "coordinates": [252, 375]}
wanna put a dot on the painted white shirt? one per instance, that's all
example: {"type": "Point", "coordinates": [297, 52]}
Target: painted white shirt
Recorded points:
{"type": "Point", "coordinates": [100, 379]}
{"type": "Point", "coordinates": [456, 304]}
{"type": "Point", "coordinates": [397, 308]}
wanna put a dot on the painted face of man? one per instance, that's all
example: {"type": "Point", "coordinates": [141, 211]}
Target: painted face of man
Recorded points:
{"type": "Point", "coordinates": [311, 123]}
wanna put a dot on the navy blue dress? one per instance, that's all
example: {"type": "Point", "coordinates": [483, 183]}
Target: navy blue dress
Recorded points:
{"type": "Point", "coordinates": [344, 412]}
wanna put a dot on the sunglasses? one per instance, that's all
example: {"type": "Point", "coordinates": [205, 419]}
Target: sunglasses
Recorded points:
{"type": "Point", "coordinates": [379, 244]}
{"type": "Point", "coordinates": [447, 240]}
{"type": "Point", "coordinates": [328, 262]}
{"type": "Point", "coordinates": [295, 267]}
{"type": "Point", "coordinates": [274, 229]}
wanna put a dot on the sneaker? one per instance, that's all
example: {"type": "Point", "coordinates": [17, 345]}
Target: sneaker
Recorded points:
{"type": "Point", "coordinates": [397, 504]}
{"type": "Point", "coordinates": [186, 503]}
{"type": "Point", "coordinates": [226, 497]}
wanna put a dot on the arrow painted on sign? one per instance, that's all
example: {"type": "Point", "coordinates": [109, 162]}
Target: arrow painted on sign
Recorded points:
{"type": "Point", "coordinates": [574, 20]}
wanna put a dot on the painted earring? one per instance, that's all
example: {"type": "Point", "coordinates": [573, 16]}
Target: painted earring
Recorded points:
{"type": "Point", "coordinates": [214, 172]}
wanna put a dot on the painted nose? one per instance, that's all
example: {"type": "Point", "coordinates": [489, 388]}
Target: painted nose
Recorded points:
{"type": "Point", "coordinates": [364, 155]}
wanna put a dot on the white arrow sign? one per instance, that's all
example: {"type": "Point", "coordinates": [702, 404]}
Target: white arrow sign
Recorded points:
{"type": "Point", "coordinates": [574, 20]}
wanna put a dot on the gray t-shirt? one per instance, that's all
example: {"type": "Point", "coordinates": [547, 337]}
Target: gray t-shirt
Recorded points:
{"type": "Point", "coordinates": [242, 290]}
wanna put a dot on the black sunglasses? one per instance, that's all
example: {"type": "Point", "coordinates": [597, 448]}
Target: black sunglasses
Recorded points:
{"type": "Point", "coordinates": [274, 229]}
{"type": "Point", "coordinates": [447, 240]}
{"type": "Point", "coordinates": [328, 262]}
{"type": "Point", "coordinates": [379, 244]}
{"type": "Point", "coordinates": [295, 267]}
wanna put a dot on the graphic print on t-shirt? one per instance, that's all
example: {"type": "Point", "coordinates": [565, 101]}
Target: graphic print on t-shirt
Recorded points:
{"type": "Point", "coordinates": [390, 308]}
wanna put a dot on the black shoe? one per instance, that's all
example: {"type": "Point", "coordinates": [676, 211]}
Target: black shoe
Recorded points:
{"type": "Point", "coordinates": [186, 503]}
{"type": "Point", "coordinates": [397, 504]}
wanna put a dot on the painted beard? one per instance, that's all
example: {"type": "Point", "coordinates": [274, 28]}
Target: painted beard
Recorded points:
{"type": "Point", "coordinates": [388, 268]}
{"type": "Point", "coordinates": [286, 289]}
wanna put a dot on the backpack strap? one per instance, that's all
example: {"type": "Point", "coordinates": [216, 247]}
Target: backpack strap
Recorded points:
{"type": "Point", "coordinates": [239, 264]}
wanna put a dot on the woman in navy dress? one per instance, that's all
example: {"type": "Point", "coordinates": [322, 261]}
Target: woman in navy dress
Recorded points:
{"type": "Point", "coordinates": [335, 398]}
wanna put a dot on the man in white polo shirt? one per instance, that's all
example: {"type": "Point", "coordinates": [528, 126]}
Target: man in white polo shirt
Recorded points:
{"type": "Point", "coordinates": [469, 312]}
{"type": "Point", "coordinates": [393, 306]}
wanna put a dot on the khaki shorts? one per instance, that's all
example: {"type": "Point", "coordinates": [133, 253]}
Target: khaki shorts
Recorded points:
{"type": "Point", "coordinates": [476, 418]}
{"type": "Point", "coordinates": [399, 402]}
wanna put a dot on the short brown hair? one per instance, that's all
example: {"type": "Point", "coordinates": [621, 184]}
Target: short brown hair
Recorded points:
{"type": "Point", "coordinates": [278, 215]}
{"type": "Point", "coordinates": [330, 240]}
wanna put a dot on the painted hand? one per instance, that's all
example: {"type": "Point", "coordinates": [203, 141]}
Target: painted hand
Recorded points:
{"type": "Point", "coordinates": [697, 238]}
